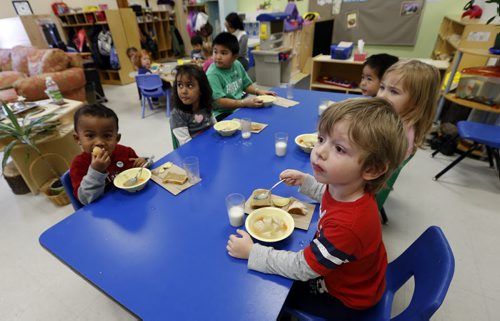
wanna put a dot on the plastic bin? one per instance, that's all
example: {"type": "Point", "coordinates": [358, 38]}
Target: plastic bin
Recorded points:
{"type": "Point", "coordinates": [273, 67]}
{"type": "Point", "coordinates": [480, 84]}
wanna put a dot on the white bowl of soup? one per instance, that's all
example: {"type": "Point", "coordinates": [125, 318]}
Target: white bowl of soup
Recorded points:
{"type": "Point", "coordinates": [306, 142]}
{"type": "Point", "coordinates": [267, 100]}
{"type": "Point", "coordinates": [269, 224]}
{"type": "Point", "coordinates": [124, 176]}
{"type": "Point", "coordinates": [227, 127]}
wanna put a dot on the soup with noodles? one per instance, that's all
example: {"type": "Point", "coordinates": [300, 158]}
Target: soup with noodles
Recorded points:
{"type": "Point", "coordinates": [269, 227]}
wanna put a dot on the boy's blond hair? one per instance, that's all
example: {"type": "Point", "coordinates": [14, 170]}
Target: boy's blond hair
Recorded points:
{"type": "Point", "coordinates": [422, 82]}
{"type": "Point", "coordinates": [376, 129]}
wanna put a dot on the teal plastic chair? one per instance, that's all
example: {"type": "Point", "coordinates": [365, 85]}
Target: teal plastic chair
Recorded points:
{"type": "Point", "coordinates": [175, 142]}
{"type": "Point", "coordinates": [432, 264]}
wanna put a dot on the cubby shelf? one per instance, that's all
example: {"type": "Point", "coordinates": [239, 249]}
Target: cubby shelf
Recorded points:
{"type": "Point", "coordinates": [157, 25]}
{"type": "Point", "coordinates": [119, 23]}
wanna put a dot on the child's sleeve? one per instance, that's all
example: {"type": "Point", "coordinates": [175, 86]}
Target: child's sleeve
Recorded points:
{"type": "Point", "coordinates": [334, 246]}
{"type": "Point", "coordinates": [312, 188]}
{"type": "Point", "coordinates": [289, 264]}
{"type": "Point", "coordinates": [91, 186]}
{"type": "Point", "coordinates": [179, 126]}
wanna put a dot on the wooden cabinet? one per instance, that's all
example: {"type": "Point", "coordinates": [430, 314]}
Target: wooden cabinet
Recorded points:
{"type": "Point", "coordinates": [454, 34]}
{"type": "Point", "coordinates": [350, 71]}
{"type": "Point", "coordinates": [325, 66]}
{"type": "Point", "coordinates": [123, 27]}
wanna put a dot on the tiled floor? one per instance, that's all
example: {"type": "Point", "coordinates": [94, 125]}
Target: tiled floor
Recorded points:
{"type": "Point", "coordinates": [465, 203]}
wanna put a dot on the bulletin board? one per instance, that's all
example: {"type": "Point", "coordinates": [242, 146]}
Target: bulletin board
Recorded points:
{"type": "Point", "coordinates": [379, 22]}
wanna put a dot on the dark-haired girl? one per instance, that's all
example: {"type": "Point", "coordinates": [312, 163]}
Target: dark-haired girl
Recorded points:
{"type": "Point", "coordinates": [192, 103]}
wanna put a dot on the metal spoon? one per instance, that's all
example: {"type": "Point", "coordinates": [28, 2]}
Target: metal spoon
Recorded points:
{"type": "Point", "coordinates": [265, 194]}
{"type": "Point", "coordinates": [133, 180]}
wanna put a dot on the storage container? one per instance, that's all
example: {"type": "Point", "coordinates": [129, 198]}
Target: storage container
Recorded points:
{"type": "Point", "coordinates": [481, 84]}
{"type": "Point", "coordinates": [342, 50]}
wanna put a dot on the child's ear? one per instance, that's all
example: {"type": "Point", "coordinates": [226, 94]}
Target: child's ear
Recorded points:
{"type": "Point", "coordinates": [374, 172]}
{"type": "Point", "coordinates": [118, 137]}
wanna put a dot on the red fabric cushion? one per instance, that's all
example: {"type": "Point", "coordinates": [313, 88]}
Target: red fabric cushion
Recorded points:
{"type": "Point", "coordinates": [19, 56]}
{"type": "Point", "coordinates": [5, 62]}
{"type": "Point", "coordinates": [51, 60]}
{"type": "Point", "coordinates": [8, 94]}
{"type": "Point", "coordinates": [7, 78]}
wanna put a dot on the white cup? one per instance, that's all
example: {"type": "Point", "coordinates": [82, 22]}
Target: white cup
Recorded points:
{"type": "Point", "coordinates": [289, 90]}
{"type": "Point", "coordinates": [192, 167]}
{"type": "Point", "coordinates": [280, 143]}
{"type": "Point", "coordinates": [246, 128]}
{"type": "Point", "coordinates": [235, 204]}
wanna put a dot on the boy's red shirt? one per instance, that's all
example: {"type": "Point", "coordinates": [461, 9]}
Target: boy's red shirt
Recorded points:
{"type": "Point", "coordinates": [348, 251]}
{"type": "Point", "coordinates": [120, 161]}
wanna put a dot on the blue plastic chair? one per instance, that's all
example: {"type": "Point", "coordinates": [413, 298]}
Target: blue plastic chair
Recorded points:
{"type": "Point", "coordinates": [68, 187]}
{"type": "Point", "coordinates": [151, 86]}
{"type": "Point", "coordinates": [430, 261]}
{"type": "Point", "coordinates": [488, 135]}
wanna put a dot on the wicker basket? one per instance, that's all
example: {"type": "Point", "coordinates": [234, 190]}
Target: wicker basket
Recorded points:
{"type": "Point", "coordinates": [60, 199]}
{"type": "Point", "coordinates": [44, 186]}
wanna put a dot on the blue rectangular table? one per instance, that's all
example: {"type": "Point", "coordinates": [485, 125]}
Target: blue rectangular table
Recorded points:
{"type": "Point", "coordinates": [162, 256]}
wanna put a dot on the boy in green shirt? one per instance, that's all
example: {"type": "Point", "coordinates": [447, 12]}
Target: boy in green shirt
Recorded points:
{"type": "Point", "coordinates": [229, 80]}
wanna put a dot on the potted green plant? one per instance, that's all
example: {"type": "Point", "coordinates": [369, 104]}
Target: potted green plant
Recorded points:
{"type": "Point", "coordinates": [26, 133]}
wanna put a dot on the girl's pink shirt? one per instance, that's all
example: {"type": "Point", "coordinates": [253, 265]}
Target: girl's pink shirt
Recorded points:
{"type": "Point", "coordinates": [410, 136]}
{"type": "Point", "coordinates": [207, 63]}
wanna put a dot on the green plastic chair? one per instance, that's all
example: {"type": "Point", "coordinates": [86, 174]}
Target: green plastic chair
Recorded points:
{"type": "Point", "coordinates": [381, 196]}
{"type": "Point", "coordinates": [175, 142]}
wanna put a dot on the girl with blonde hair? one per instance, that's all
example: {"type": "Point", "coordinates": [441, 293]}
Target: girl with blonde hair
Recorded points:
{"type": "Point", "coordinates": [412, 88]}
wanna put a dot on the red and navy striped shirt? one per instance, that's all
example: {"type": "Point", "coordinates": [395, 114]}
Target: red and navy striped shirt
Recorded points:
{"type": "Point", "coordinates": [348, 251]}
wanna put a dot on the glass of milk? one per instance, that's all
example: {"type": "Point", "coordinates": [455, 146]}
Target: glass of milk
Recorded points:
{"type": "Point", "coordinates": [235, 204]}
{"type": "Point", "coordinates": [280, 143]}
{"type": "Point", "coordinates": [246, 128]}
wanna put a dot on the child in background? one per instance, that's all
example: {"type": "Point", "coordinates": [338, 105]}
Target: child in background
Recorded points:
{"type": "Point", "coordinates": [228, 78]}
{"type": "Point", "coordinates": [143, 62]}
{"type": "Point", "coordinates": [412, 88]}
{"type": "Point", "coordinates": [92, 172]}
{"type": "Point", "coordinates": [197, 43]}
{"type": "Point", "coordinates": [373, 69]}
{"type": "Point", "coordinates": [360, 144]}
{"type": "Point", "coordinates": [206, 51]}
{"type": "Point", "coordinates": [192, 103]}
{"type": "Point", "coordinates": [131, 54]}
{"type": "Point", "coordinates": [234, 25]}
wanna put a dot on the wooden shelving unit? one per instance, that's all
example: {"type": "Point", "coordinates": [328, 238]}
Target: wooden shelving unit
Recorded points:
{"type": "Point", "coordinates": [462, 54]}
{"type": "Point", "coordinates": [478, 57]}
{"type": "Point", "coordinates": [157, 25]}
{"type": "Point", "coordinates": [324, 65]}
{"type": "Point", "coordinates": [456, 34]}
{"type": "Point", "coordinates": [470, 104]}
{"type": "Point", "coordinates": [123, 27]}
